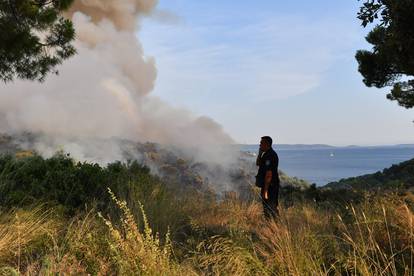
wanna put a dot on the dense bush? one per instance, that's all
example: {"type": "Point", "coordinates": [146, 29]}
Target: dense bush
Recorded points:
{"type": "Point", "coordinates": [59, 179]}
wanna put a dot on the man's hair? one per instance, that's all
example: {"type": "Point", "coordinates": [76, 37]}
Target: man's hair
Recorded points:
{"type": "Point", "coordinates": [268, 140]}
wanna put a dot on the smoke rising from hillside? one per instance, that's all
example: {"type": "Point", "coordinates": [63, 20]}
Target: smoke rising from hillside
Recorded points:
{"type": "Point", "coordinates": [103, 92]}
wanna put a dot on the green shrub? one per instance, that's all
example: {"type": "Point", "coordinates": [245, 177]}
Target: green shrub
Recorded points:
{"type": "Point", "coordinates": [24, 181]}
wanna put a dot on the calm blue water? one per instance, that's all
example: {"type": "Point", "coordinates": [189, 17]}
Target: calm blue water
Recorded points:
{"type": "Point", "coordinates": [322, 166]}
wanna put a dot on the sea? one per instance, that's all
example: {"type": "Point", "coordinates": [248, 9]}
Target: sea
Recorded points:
{"type": "Point", "coordinates": [321, 164]}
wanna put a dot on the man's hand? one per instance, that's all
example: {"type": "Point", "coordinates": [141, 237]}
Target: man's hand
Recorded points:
{"type": "Point", "coordinates": [268, 179]}
{"type": "Point", "coordinates": [265, 194]}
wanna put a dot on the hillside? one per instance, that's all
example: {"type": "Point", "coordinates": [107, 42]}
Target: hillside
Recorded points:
{"type": "Point", "coordinates": [397, 176]}
{"type": "Point", "coordinates": [173, 165]}
{"type": "Point", "coordinates": [60, 216]}
{"type": "Point", "coordinates": [57, 216]}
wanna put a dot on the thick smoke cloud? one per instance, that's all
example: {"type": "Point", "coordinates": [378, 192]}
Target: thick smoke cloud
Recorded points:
{"type": "Point", "coordinates": [104, 93]}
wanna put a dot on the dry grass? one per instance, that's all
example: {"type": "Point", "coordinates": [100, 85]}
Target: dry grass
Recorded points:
{"type": "Point", "coordinates": [227, 238]}
{"type": "Point", "coordinates": [78, 249]}
{"type": "Point", "coordinates": [140, 253]}
{"type": "Point", "coordinates": [374, 238]}
{"type": "Point", "coordinates": [20, 230]}
{"type": "Point", "coordinates": [295, 244]}
{"type": "Point", "coordinates": [220, 255]}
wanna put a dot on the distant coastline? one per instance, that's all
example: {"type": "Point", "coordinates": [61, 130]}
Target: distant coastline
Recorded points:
{"type": "Point", "coordinates": [322, 164]}
{"type": "Point", "coordinates": [324, 146]}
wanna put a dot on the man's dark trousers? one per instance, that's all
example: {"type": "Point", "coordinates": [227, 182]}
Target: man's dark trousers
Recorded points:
{"type": "Point", "coordinates": [270, 205]}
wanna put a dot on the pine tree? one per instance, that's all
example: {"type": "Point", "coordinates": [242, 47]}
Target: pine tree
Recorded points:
{"type": "Point", "coordinates": [391, 60]}
{"type": "Point", "coordinates": [34, 38]}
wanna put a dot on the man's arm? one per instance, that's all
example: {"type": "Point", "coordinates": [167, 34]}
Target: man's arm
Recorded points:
{"type": "Point", "coordinates": [268, 180]}
{"type": "Point", "coordinates": [259, 156]}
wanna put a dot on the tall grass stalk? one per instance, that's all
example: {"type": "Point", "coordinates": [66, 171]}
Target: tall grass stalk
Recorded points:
{"type": "Point", "coordinates": [20, 230]}
{"type": "Point", "coordinates": [139, 253]}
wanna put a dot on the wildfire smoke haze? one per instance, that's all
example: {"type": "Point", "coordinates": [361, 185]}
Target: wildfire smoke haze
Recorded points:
{"type": "Point", "coordinates": [104, 92]}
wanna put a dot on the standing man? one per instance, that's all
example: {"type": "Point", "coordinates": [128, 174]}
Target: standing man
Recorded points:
{"type": "Point", "coordinates": [268, 177]}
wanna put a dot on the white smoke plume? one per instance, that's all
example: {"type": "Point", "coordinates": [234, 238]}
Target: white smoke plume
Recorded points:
{"type": "Point", "coordinates": [104, 92]}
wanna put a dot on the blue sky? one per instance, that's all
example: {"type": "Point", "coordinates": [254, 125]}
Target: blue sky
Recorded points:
{"type": "Point", "coordinates": [269, 67]}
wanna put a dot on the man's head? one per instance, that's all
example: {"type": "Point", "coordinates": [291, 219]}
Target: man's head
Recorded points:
{"type": "Point", "coordinates": [265, 143]}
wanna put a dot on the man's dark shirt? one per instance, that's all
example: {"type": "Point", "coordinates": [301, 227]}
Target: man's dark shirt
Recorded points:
{"type": "Point", "coordinates": [268, 161]}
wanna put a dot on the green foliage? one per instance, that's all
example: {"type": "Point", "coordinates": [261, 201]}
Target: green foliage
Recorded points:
{"type": "Point", "coordinates": [78, 186]}
{"type": "Point", "coordinates": [35, 37]}
{"type": "Point", "coordinates": [59, 179]}
{"type": "Point", "coordinates": [392, 55]}
{"type": "Point", "coordinates": [292, 181]}
{"type": "Point", "coordinates": [396, 178]}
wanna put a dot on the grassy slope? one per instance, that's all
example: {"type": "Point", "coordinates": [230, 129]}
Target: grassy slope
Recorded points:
{"type": "Point", "coordinates": [41, 232]}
